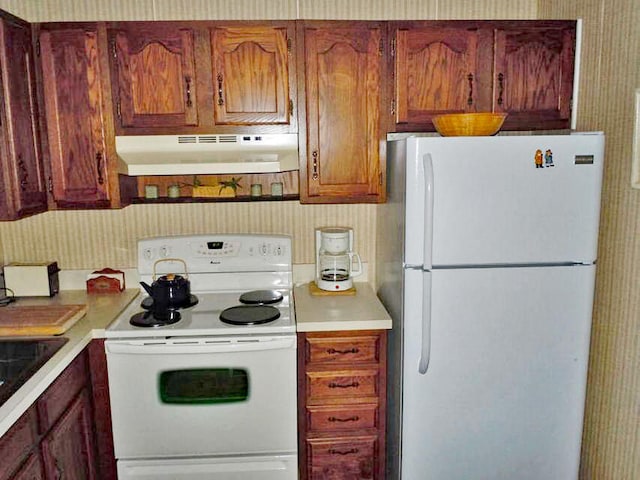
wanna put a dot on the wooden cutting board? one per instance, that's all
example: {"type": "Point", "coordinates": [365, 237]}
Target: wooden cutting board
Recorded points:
{"type": "Point", "coordinates": [18, 320]}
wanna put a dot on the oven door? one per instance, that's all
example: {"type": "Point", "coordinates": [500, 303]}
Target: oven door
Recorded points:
{"type": "Point", "coordinates": [186, 397]}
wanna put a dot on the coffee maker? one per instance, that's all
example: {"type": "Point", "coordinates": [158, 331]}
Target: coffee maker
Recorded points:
{"type": "Point", "coordinates": [336, 262]}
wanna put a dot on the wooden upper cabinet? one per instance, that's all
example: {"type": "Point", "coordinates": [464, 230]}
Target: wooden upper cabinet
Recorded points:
{"type": "Point", "coordinates": [154, 75]}
{"type": "Point", "coordinates": [342, 161]}
{"type": "Point", "coordinates": [519, 67]}
{"type": "Point", "coordinates": [24, 191]}
{"type": "Point", "coordinates": [75, 115]}
{"type": "Point", "coordinates": [435, 73]}
{"type": "Point", "coordinates": [250, 72]}
{"type": "Point", "coordinates": [533, 77]}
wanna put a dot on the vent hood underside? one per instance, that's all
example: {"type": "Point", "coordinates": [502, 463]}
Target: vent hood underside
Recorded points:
{"type": "Point", "coordinates": [206, 154]}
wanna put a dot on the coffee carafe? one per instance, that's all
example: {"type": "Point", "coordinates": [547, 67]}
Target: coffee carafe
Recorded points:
{"type": "Point", "coordinates": [336, 262]}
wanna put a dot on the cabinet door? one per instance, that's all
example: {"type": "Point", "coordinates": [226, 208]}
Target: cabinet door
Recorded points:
{"type": "Point", "coordinates": [533, 77]}
{"type": "Point", "coordinates": [74, 116]}
{"type": "Point", "coordinates": [343, 106]}
{"type": "Point", "coordinates": [68, 449]}
{"type": "Point", "coordinates": [435, 73]}
{"type": "Point", "coordinates": [17, 443]}
{"type": "Point", "coordinates": [154, 75]}
{"type": "Point", "coordinates": [251, 75]}
{"type": "Point", "coordinates": [31, 470]}
{"type": "Point", "coordinates": [24, 187]}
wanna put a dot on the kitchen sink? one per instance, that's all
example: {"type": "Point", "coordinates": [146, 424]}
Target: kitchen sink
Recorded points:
{"type": "Point", "coordinates": [20, 358]}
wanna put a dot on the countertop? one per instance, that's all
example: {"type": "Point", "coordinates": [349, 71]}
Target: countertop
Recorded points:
{"type": "Point", "coordinates": [362, 311]}
{"type": "Point", "coordinates": [102, 310]}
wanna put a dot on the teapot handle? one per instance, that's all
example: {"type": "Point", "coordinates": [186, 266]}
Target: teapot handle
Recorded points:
{"type": "Point", "coordinates": [355, 271]}
{"type": "Point", "coordinates": [186, 274]}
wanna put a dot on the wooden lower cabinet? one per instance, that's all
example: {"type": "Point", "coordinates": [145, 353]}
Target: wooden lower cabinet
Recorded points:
{"type": "Point", "coordinates": [54, 438]}
{"type": "Point", "coordinates": [31, 470]}
{"type": "Point", "coordinates": [341, 414]}
{"type": "Point", "coordinates": [68, 449]}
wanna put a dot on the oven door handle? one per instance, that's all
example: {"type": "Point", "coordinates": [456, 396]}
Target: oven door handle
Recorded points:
{"type": "Point", "coordinates": [197, 346]}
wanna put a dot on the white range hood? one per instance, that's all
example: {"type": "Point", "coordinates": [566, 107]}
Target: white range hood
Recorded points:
{"type": "Point", "coordinates": [206, 154]}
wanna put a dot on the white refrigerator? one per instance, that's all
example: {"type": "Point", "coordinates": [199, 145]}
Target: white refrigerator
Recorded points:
{"type": "Point", "coordinates": [486, 263]}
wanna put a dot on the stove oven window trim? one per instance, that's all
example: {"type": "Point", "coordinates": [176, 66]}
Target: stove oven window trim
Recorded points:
{"type": "Point", "coordinates": [204, 386]}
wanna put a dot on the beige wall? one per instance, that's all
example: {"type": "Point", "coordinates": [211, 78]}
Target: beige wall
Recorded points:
{"type": "Point", "coordinates": [88, 239]}
{"type": "Point", "coordinates": [610, 75]}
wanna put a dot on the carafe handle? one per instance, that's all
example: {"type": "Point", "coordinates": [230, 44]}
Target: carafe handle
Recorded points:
{"type": "Point", "coordinates": [355, 271]}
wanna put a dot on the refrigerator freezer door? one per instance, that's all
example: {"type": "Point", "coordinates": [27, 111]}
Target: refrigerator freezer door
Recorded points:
{"type": "Point", "coordinates": [494, 203]}
{"type": "Point", "coordinates": [503, 396]}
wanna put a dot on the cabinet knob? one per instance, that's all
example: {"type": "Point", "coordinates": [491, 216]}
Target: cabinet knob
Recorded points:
{"type": "Point", "coordinates": [333, 351]}
{"type": "Point", "coordinates": [220, 98]}
{"type": "Point", "coordinates": [344, 385]}
{"type": "Point", "coordinates": [500, 88]}
{"type": "Point", "coordinates": [23, 173]}
{"type": "Point", "coordinates": [99, 167]}
{"type": "Point", "coordinates": [336, 451]}
{"type": "Point", "coordinates": [314, 173]}
{"type": "Point", "coordinates": [470, 98]}
{"type": "Point", "coordinates": [187, 81]}
{"type": "Point", "coordinates": [355, 418]}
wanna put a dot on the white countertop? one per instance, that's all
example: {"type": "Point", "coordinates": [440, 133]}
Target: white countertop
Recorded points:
{"type": "Point", "coordinates": [102, 310]}
{"type": "Point", "coordinates": [362, 311]}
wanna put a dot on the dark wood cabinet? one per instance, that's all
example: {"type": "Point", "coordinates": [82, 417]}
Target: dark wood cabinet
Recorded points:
{"type": "Point", "coordinates": [55, 437]}
{"type": "Point", "coordinates": [436, 72]}
{"type": "Point", "coordinates": [17, 444]}
{"type": "Point", "coordinates": [522, 68]}
{"type": "Point", "coordinates": [22, 190]}
{"type": "Point", "coordinates": [82, 167]}
{"type": "Point", "coordinates": [533, 76]}
{"type": "Point", "coordinates": [154, 75]}
{"type": "Point", "coordinates": [342, 149]}
{"type": "Point", "coordinates": [341, 395]}
{"type": "Point", "coordinates": [68, 449]}
{"type": "Point", "coordinates": [31, 470]}
{"type": "Point", "coordinates": [202, 77]}
{"type": "Point", "coordinates": [252, 74]}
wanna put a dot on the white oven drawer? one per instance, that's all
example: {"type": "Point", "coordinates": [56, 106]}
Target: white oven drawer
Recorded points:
{"type": "Point", "coordinates": [186, 397]}
{"type": "Point", "coordinates": [282, 467]}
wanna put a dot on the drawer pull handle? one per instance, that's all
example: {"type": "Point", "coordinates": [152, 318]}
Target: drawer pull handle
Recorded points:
{"type": "Point", "coordinates": [333, 351]}
{"type": "Point", "coordinates": [334, 451]}
{"type": "Point", "coordinates": [355, 418]}
{"type": "Point", "coordinates": [347, 385]}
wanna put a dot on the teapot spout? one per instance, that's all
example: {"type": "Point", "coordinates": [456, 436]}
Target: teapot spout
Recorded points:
{"type": "Point", "coordinates": [147, 288]}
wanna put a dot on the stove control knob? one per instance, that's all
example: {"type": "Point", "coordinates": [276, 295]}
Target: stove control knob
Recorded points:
{"type": "Point", "coordinates": [165, 251]}
{"type": "Point", "coordinates": [279, 251]}
{"type": "Point", "coordinates": [264, 249]}
{"type": "Point", "coordinates": [147, 254]}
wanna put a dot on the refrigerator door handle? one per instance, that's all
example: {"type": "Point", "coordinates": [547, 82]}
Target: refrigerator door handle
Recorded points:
{"type": "Point", "coordinates": [427, 164]}
{"type": "Point", "coordinates": [425, 346]}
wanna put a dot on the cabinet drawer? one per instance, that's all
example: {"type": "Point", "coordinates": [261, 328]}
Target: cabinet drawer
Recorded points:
{"type": "Point", "coordinates": [342, 418]}
{"type": "Point", "coordinates": [56, 398]}
{"type": "Point", "coordinates": [344, 385]}
{"type": "Point", "coordinates": [17, 443]}
{"type": "Point", "coordinates": [322, 349]}
{"type": "Point", "coordinates": [342, 458]}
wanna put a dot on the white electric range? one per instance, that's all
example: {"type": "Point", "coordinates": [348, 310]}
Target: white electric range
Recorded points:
{"type": "Point", "coordinates": [194, 396]}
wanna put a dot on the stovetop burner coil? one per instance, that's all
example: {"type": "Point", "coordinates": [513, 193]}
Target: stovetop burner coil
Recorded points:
{"type": "Point", "coordinates": [147, 303]}
{"type": "Point", "coordinates": [261, 297]}
{"type": "Point", "coordinates": [153, 319]}
{"type": "Point", "coordinates": [249, 314]}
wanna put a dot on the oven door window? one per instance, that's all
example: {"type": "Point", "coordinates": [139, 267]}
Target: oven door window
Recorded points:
{"type": "Point", "coordinates": [204, 386]}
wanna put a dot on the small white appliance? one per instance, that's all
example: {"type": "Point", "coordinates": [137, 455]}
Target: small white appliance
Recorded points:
{"type": "Point", "coordinates": [208, 390]}
{"type": "Point", "coordinates": [486, 263]}
{"type": "Point", "coordinates": [336, 262]}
